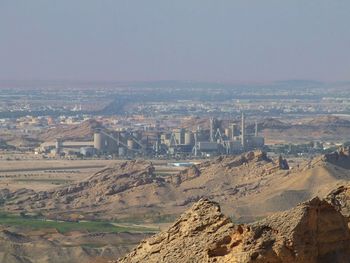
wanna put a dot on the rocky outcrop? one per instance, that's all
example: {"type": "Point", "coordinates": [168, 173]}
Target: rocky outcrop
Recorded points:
{"type": "Point", "coordinates": [282, 163]}
{"type": "Point", "coordinates": [248, 186]}
{"type": "Point", "coordinates": [19, 195]}
{"type": "Point", "coordinates": [340, 199]}
{"type": "Point", "coordinates": [340, 158]}
{"type": "Point", "coordinates": [110, 181]}
{"type": "Point", "coordinates": [185, 241]}
{"type": "Point", "coordinates": [249, 157]}
{"type": "Point", "coordinates": [185, 175]}
{"type": "Point", "coordinates": [101, 191]}
{"type": "Point", "coordinates": [312, 232]}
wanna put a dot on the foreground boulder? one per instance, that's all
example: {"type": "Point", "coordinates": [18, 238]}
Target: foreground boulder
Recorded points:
{"type": "Point", "coordinates": [312, 232]}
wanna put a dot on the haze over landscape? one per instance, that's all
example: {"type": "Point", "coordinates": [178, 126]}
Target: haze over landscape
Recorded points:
{"type": "Point", "coordinates": [174, 131]}
{"type": "Point", "coordinates": [225, 41]}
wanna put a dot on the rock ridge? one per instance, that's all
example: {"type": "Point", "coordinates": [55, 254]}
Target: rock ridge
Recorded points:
{"type": "Point", "coordinates": [312, 232]}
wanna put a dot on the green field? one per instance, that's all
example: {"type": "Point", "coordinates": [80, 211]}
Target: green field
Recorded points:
{"type": "Point", "coordinates": [64, 227]}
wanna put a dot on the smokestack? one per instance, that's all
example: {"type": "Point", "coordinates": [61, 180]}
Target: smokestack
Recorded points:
{"type": "Point", "coordinates": [243, 131]}
{"type": "Point", "coordinates": [211, 129]}
{"type": "Point", "coordinates": [234, 130]}
{"type": "Point", "coordinates": [256, 128]}
{"type": "Point", "coordinates": [58, 145]}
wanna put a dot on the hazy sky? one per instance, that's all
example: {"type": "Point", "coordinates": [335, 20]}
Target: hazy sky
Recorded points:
{"type": "Point", "coordinates": [209, 40]}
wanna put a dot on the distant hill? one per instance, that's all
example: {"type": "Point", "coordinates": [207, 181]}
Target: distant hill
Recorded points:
{"type": "Point", "coordinates": [83, 131]}
{"type": "Point", "coordinates": [248, 186]}
{"type": "Point", "coordinates": [327, 128]}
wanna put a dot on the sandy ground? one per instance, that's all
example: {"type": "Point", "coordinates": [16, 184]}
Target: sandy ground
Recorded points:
{"type": "Point", "coordinates": [41, 174]}
{"type": "Point", "coordinates": [46, 174]}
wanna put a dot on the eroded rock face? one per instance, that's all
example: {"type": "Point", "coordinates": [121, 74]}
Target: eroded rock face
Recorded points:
{"type": "Point", "coordinates": [282, 163]}
{"type": "Point", "coordinates": [312, 232]}
{"type": "Point", "coordinates": [340, 199]}
{"type": "Point", "coordinates": [187, 239]}
{"type": "Point", "coordinates": [101, 189]}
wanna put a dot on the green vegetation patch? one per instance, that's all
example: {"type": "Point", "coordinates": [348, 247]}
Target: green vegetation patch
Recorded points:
{"type": "Point", "coordinates": [64, 227]}
{"type": "Point", "coordinates": [149, 218]}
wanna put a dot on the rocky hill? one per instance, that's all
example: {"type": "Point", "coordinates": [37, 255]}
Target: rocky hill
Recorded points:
{"type": "Point", "coordinates": [253, 185]}
{"type": "Point", "coordinates": [324, 128]}
{"type": "Point", "coordinates": [328, 121]}
{"type": "Point", "coordinates": [279, 130]}
{"type": "Point", "coordinates": [311, 232]}
{"type": "Point", "coordinates": [248, 186]}
{"type": "Point", "coordinates": [83, 131]}
{"type": "Point", "coordinates": [125, 186]}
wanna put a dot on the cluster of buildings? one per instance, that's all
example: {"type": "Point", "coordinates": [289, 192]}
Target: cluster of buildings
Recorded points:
{"type": "Point", "coordinates": [217, 140]}
{"type": "Point", "coordinates": [179, 142]}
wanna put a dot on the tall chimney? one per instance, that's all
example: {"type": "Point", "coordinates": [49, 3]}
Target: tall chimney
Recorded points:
{"type": "Point", "coordinates": [243, 131]}
{"type": "Point", "coordinates": [211, 129]}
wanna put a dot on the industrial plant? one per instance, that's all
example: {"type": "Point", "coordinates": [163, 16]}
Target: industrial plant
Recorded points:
{"type": "Point", "coordinates": [218, 139]}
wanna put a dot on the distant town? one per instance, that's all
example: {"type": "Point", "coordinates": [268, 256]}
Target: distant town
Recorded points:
{"type": "Point", "coordinates": [190, 120]}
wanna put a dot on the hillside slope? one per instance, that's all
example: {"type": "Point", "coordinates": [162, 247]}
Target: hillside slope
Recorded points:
{"type": "Point", "coordinates": [248, 186]}
{"type": "Point", "coordinates": [311, 232]}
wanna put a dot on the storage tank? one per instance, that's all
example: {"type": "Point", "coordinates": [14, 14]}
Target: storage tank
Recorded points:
{"type": "Point", "coordinates": [189, 138]}
{"type": "Point", "coordinates": [180, 136]}
{"type": "Point", "coordinates": [98, 141]}
{"type": "Point", "coordinates": [130, 143]}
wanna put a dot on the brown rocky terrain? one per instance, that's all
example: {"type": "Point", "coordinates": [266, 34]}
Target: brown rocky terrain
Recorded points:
{"type": "Point", "coordinates": [301, 130]}
{"type": "Point", "coordinates": [83, 131]}
{"type": "Point", "coordinates": [340, 199]}
{"type": "Point", "coordinates": [248, 186]}
{"type": "Point", "coordinates": [124, 186]}
{"type": "Point", "coordinates": [253, 185]}
{"type": "Point", "coordinates": [17, 247]}
{"type": "Point", "coordinates": [325, 128]}
{"type": "Point", "coordinates": [11, 140]}
{"type": "Point", "coordinates": [311, 232]}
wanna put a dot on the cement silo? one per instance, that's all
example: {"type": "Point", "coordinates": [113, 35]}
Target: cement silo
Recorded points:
{"type": "Point", "coordinates": [98, 141]}
{"type": "Point", "coordinates": [180, 136]}
{"type": "Point", "coordinates": [131, 144]}
{"type": "Point", "coordinates": [189, 138]}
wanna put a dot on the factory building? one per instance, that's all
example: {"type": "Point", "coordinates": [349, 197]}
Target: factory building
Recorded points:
{"type": "Point", "coordinates": [117, 142]}
{"type": "Point", "coordinates": [179, 135]}
{"type": "Point", "coordinates": [231, 141]}
{"type": "Point", "coordinates": [232, 138]}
